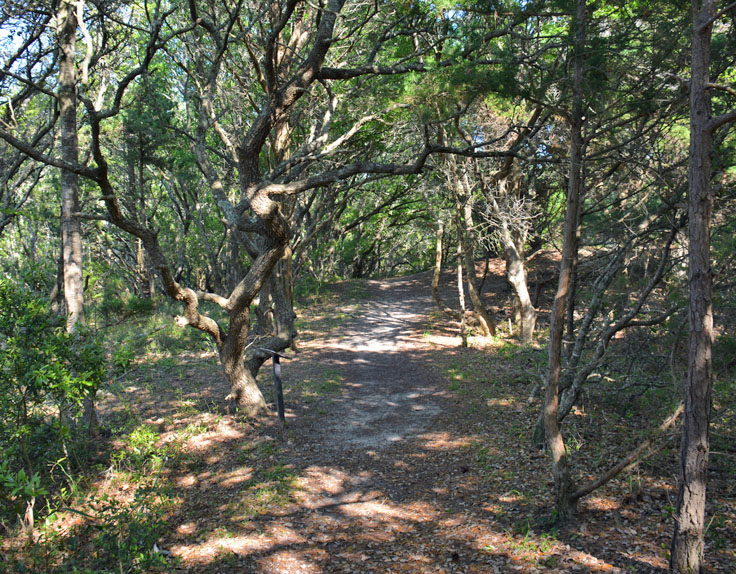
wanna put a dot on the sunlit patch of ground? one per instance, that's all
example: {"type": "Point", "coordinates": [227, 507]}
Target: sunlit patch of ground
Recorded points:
{"type": "Point", "coordinates": [293, 561]}
{"type": "Point", "coordinates": [601, 503]}
{"type": "Point", "coordinates": [225, 431]}
{"type": "Point", "coordinates": [466, 494]}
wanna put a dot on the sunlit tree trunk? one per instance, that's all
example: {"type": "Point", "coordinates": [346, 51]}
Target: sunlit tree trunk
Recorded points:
{"type": "Point", "coordinates": [71, 231]}
{"type": "Point", "coordinates": [512, 240]}
{"type": "Point", "coordinates": [516, 274]}
{"type": "Point", "coordinates": [437, 272]}
{"type": "Point", "coordinates": [487, 325]}
{"type": "Point", "coordinates": [71, 226]}
{"type": "Point", "coordinates": [461, 290]}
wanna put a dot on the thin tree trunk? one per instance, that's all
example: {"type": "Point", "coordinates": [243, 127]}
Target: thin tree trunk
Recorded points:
{"type": "Point", "coordinates": [563, 488]}
{"type": "Point", "coordinates": [465, 226]}
{"type": "Point", "coordinates": [437, 273]}
{"type": "Point", "coordinates": [461, 292]}
{"type": "Point", "coordinates": [57, 292]}
{"type": "Point", "coordinates": [71, 230]}
{"type": "Point", "coordinates": [439, 235]}
{"type": "Point", "coordinates": [571, 302]}
{"type": "Point", "coordinates": [71, 225]}
{"type": "Point", "coordinates": [688, 540]}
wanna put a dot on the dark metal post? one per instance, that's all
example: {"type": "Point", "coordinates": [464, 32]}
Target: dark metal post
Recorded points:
{"type": "Point", "coordinates": [279, 388]}
{"type": "Point", "coordinates": [277, 384]}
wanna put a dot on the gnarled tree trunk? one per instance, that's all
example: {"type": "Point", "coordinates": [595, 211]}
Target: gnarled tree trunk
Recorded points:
{"type": "Point", "coordinates": [243, 388]}
{"type": "Point", "coordinates": [516, 274]}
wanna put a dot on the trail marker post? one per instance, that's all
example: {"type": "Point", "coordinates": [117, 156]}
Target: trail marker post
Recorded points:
{"type": "Point", "coordinates": [277, 384]}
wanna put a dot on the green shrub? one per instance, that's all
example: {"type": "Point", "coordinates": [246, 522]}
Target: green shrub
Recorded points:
{"type": "Point", "coordinates": [45, 374]}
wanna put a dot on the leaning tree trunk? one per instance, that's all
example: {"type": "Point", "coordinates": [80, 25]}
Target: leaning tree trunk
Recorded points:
{"type": "Point", "coordinates": [563, 486]}
{"type": "Point", "coordinates": [688, 540]}
{"type": "Point", "coordinates": [487, 323]}
{"type": "Point", "coordinates": [516, 274]}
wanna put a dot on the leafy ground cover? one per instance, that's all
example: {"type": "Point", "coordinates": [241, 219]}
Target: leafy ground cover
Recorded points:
{"type": "Point", "coordinates": [404, 453]}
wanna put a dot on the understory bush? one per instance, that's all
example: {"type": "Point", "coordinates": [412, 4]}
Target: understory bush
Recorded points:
{"type": "Point", "coordinates": [45, 375]}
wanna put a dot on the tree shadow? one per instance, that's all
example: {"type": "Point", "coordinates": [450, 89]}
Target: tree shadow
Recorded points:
{"type": "Point", "coordinates": [401, 457]}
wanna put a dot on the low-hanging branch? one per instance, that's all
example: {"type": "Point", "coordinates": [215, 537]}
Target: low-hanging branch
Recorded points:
{"type": "Point", "coordinates": [644, 449]}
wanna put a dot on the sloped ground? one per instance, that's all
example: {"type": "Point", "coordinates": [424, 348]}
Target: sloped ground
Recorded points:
{"type": "Point", "coordinates": [404, 453]}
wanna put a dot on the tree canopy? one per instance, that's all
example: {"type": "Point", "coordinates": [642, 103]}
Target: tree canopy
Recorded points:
{"type": "Point", "coordinates": [225, 156]}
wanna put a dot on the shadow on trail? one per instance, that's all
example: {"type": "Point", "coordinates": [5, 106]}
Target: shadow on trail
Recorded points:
{"type": "Point", "coordinates": [386, 469]}
{"type": "Point", "coordinates": [357, 509]}
{"type": "Point", "coordinates": [421, 501]}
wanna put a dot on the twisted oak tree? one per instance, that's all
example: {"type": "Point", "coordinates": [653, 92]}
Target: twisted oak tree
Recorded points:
{"type": "Point", "coordinates": [272, 56]}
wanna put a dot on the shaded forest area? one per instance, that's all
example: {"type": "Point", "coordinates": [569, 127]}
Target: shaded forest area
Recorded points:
{"type": "Point", "coordinates": [188, 188]}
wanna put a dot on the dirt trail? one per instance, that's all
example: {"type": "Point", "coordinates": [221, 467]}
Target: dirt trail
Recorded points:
{"type": "Point", "coordinates": [388, 396]}
{"type": "Point", "coordinates": [365, 477]}
{"type": "Point", "coordinates": [380, 483]}
{"type": "Point", "coordinates": [392, 464]}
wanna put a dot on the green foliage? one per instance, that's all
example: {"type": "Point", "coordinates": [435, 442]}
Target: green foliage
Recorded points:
{"type": "Point", "coordinates": [45, 373]}
{"type": "Point", "coordinates": [127, 533]}
{"type": "Point", "coordinates": [122, 358]}
{"type": "Point", "coordinates": [724, 360]}
{"type": "Point", "coordinates": [18, 488]}
{"type": "Point", "coordinates": [116, 305]}
{"type": "Point", "coordinates": [140, 452]}
{"type": "Point", "coordinates": [117, 536]}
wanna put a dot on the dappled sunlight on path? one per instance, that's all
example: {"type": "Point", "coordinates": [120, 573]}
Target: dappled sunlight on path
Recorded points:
{"type": "Point", "coordinates": [379, 475]}
{"type": "Point", "coordinates": [404, 454]}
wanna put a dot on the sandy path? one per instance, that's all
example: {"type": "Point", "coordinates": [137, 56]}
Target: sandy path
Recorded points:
{"type": "Point", "coordinates": [388, 395]}
{"type": "Point", "coordinates": [393, 464]}
{"type": "Point", "coordinates": [371, 496]}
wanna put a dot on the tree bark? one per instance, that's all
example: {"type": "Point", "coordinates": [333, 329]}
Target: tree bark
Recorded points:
{"type": "Point", "coordinates": [243, 388]}
{"type": "Point", "coordinates": [275, 316]}
{"type": "Point", "coordinates": [71, 229]}
{"type": "Point", "coordinates": [465, 226]}
{"type": "Point", "coordinates": [688, 540]}
{"type": "Point", "coordinates": [563, 486]}
{"type": "Point", "coordinates": [461, 291]}
{"type": "Point", "coordinates": [71, 224]}
{"type": "Point", "coordinates": [516, 274]}
{"type": "Point", "coordinates": [437, 273]}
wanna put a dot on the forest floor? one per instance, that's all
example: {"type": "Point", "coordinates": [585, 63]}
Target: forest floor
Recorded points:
{"type": "Point", "coordinates": [403, 452]}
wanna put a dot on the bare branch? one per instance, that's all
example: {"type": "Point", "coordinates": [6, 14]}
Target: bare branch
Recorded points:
{"type": "Point", "coordinates": [34, 153]}
{"type": "Point", "coordinates": [213, 297]}
{"type": "Point", "coordinates": [626, 463]}
{"type": "Point", "coordinates": [721, 87]}
{"type": "Point", "coordinates": [335, 175]}
{"type": "Point", "coordinates": [722, 120]}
